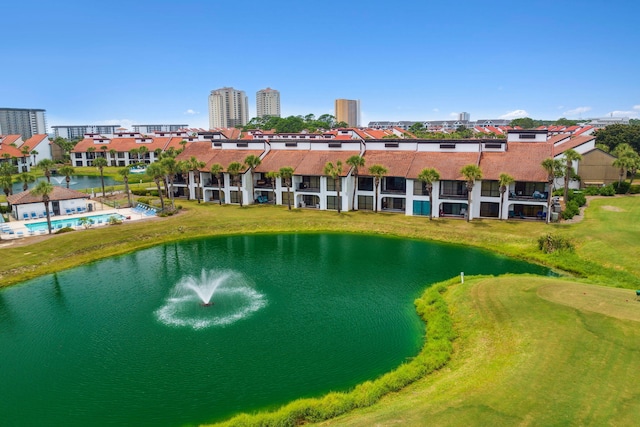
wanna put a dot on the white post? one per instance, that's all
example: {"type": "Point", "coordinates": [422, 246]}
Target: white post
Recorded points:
{"type": "Point", "coordinates": [462, 277]}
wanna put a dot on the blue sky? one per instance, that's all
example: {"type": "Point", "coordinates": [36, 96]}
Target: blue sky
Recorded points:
{"type": "Point", "coordinates": [101, 62]}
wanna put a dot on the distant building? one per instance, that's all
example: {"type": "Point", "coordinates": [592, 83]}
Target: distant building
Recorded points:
{"type": "Point", "coordinates": [464, 116]}
{"type": "Point", "coordinates": [606, 121]}
{"type": "Point", "coordinates": [22, 121]}
{"type": "Point", "coordinates": [78, 131]}
{"type": "Point", "coordinates": [348, 111]}
{"type": "Point", "coordinates": [157, 128]}
{"type": "Point", "coordinates": [268, 103]}
{"type": "Point", "coordinates": [228, 108]}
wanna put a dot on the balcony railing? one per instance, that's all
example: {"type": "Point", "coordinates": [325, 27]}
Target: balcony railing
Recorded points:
{"type": "Point", "coordinates": [453, 196]}
{"type": "Point", "coordinates": [305, 187]}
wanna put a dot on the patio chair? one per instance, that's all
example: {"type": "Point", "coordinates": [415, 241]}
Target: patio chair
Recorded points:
{"type": "Point", "coordinates": [34, 215]}
{"type": "Point", "coordinates": [20, 234]}
{"type": "Point", "coordinates": [69, 211]}
{"type": "Point", "coordinates": [25, 216]}
{"type": "Point", "coordinates": [41, 215]}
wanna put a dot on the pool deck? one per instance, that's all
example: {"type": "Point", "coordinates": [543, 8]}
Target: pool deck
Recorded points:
{"type": "Point", "coordinates": [20, 229]}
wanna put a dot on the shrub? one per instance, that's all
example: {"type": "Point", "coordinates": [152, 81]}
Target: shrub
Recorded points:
{"type": "Point", "coordinates": [592, 191]}
{"type": "Point", "coordinates": [621, 187]}
{"type": "Point", "coordinates": [634, 189]}
{"type": "Point", "coordinates": [579, 198]}
{"type": "Point", "coordinates": [64, 230]}
{"type": "Point", "coordinates": [551, 243]}
{"type": "Point", "coordinates": [144, 200]}
{"type": "Point", "coordinates": [607, 190]}
{"type": "Point", "coordinates": [572, 209]}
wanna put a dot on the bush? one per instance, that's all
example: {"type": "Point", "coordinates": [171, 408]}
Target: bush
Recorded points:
{"type": "Point", "coordinates": [621, 187]}
{"type": "Point", "coordinates": [592, 191]}
{"type": "Point", "coordinates": [144, 200]}
{"type": "Point", "coordinates": [607, 190]}
{"type": "Point", "coordinates": [4, 209]}
{"type": "Point", "coordinates": [64, 230]}
{"type": "Point", "coordinates": [578, 197]}
{"type": "Point", "coordinates": [572, 209]}
{"type": "Point", "coordinates": [551, 243]}
{"type": "Point", "coordinates": [634, 189]}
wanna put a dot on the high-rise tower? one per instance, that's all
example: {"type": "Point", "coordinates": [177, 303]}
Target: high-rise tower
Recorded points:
{"type": "Point", "coordinates": [268, 103]}
{"type": "Point", "coordinates": [228, 108]}
{"type": "Point", "coordinates": [22, 121]}
{"type": "Point", "coordinates": [348, 111]}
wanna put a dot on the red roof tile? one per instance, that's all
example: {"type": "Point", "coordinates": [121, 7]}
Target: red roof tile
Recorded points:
{"type": "Point", "coordinates": [448, 165]}
{"type": "Point", "coordinates": [58, 193]}
{"type": "Point", "coordinates": [522, 161]}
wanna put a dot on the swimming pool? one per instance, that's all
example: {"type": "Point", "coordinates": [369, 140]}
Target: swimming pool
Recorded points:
{"type": "Point", "coordinates": [72, 222]}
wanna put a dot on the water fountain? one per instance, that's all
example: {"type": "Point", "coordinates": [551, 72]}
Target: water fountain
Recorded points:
{"type": "Point", "coordinates": [58, 179]}
{"type": "Point", "coordinates": [236, 298]}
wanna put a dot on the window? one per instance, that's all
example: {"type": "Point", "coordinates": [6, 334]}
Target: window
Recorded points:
{"type": "Point", "coordinates": [365, 203]}
{"type": "Point", "coordinates": [331, 184]}
{"type": "Point", "coordinates": [332, 202]}
{"type": "Point", "coordinates": [419, 188]}
{"type": "Point", "coordinates": [365, 183]}
{"type": "Point", "coordinates": [285, 197]}
{"type": "Point", "coordinates": [310, 183]}
{"type": "Point", "coordinates": [453, 188]}
{"type": "Point", "coordinates": [394, 184]}
{"type": "Point", "coordinates": [489, 209]}
{"type": "Point", "coordinates": [528, 188]}
{"type": "Point", "coordinates": [235, 197]}
{"type": "Point", "coordinates": [393, 203]}
{"type": "Point", "coordinates": [490, 189]}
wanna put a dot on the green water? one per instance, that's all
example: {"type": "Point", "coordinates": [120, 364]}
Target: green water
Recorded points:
{"type": "Point", "coordinates": [119, 342]}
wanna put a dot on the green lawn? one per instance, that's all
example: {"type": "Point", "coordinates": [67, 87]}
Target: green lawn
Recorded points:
{"type": "Point", "coordinates": [529, 350]}
{"type": "Point", "coordinates": [521, 359]}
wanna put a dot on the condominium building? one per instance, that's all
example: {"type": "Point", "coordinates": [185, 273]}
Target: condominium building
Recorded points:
{"type": "Point", "coordinates": [348, 111]}
{"type": "Point", "coordinates": [228, 108]}
{"type": "Point", "coordinates": [268, 103]}
{"type": "Point", "coordinates": [73, 132]}
{"type": "Point", "coordinates": [22, 121]}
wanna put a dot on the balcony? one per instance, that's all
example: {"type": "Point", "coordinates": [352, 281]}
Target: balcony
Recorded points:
{"type": "Point", "coordinates": [303, 186]}
{"type": "Point", "coordinates": [454, 196]}
{"type": "Point", "coordinates": [264, 183]}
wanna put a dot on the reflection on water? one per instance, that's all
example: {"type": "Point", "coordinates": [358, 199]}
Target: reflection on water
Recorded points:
{"type": "Point", "coordinates": [104, 341]}
{"type": "Point", "coordinates": [78, 182]}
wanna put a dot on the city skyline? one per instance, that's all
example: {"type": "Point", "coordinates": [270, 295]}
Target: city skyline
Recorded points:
{"type": "Point", "coordinates": [494, 60]}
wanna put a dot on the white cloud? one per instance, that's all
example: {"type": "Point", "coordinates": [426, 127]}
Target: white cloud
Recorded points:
{"type": "Point", "coordinates": [576, 111]}
{"type": "Point", "coordinates": [636, 107]}
{"type": "Point", "coordinates": [619, 113]}
{"type": "Point", "coordinates": [515, 114]}
{"type": "Point", "coordinates": [191, 112]}
{"type": "Point", "coordinates": [436, 110]}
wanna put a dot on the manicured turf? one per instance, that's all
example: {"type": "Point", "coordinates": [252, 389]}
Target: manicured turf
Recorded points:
{"type": "Point", "coordinates": [521, 359]}
{"type": "Point", "coordinates": [529, 350]}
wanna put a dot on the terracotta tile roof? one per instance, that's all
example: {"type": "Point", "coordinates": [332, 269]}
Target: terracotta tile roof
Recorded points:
{"type": "Point", "coordinates": [522, 161]}
{"type": "Point", "coordinates": [557, 138]}
{"type": "Point", "coordinates": [574, 142]}
{"type": "Point", "coordinates": [7, 148]}
{"type": "Point", "coordinates": [226, 157]}
{"type": "Point", "coordinates": [35, 140]}
{"type": "Point", "coordinates": [276, 159]}
{"type": "Point", "coordinates": [314, 161]}
{"type": "Point", "coordinates": [58, 193]}
{"type": "Point", "coordinates": [448, 165]}
{"type": "Point", "coordinates": [396, 162]}
{"type": "Point", "coordinates": [201, 150]}
{"type": "Point", "coordinates": [583, 130]}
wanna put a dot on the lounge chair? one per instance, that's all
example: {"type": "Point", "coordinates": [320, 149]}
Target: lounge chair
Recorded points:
{"type": "Point", "coordinates": [41, 215]}
{"type": "Point", "coordinates": [34, 215]}
{"type": "Point", "coordinates": [69, 211]}
{"type": "Point", "coordinates": [25, 216]}
{"type": "Point", "coordinates": [31, 232]}
{"type": "Point", "coordinates": [20, 234]}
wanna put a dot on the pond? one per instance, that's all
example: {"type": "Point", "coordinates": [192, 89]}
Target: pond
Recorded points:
{"type": "Point", "coordinates": [127, 340]}
{"type": "Point", "coordinates": [78, 182]}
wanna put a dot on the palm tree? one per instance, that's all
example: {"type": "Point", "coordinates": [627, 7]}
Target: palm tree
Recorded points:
{"type": "Point", "coordinates": [570, 156]}
{"type": "Point", "coordinates": [34, 153]}
{"type": "Point", "coordinates": [504, 180]}
{"type": "Point", "coordinates": [183, 169]}
{"type": "Point", "coordinates": [100, 163]}
{"type": "Point", "coordinates": [355, 162]}
{"type": "Point", "coordinates": [46, 165]}
{"type": "Point", "coordinates": [195, 165]}
{"type": "Point", "coordinates": [429, 176]}
{"type": "Point", "coordinates": [471, 174]}
{"type": "Point", "coordinates": [6, 179]}
{"type": "Point", "coordinates": [113, 153]}
{"type": "Point", "coordinates": [67, 171]}
{"type": "Point", "coordinates": [552, 167]}
{"type": "Point", "coordinates": [273, 176]}
{"type": "Point", "coordinates": [252, 162]}
{"type": "Point", "coordinates": [124, 172]}
{"type": "Point", "coordinates": [634, 164]}
{"type": "Point", "coordinates": [142, 153]}
{"type": "Point", "coordinates": [234, 170]}
{"type": "Point", "coordinates": [26, 178]}
{"type": "Point", "coordinates": [183, 143]}
{"type": "Point", "coordinates": [623, 161]}
{"type": "Point", "coordinates": [216, 170]}
{"type": "Point", "coordinates": [44, 189]}
{"type": "Point", "coordinates": [334, 172]}
{"type": "Point", "coordinates": [157, 173]}
{"type": "Point", "coordinates": [286, 173]}
{"type": "Point", "coordinates": [171, 168]}
{"type": "Point", "coordinates": [378, 172]}
{"type": "Point", "coordinates": [134, 152]}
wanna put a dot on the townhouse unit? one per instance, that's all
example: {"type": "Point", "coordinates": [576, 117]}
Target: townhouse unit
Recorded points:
{"type": "Point", "coordinates": [399, 190]}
